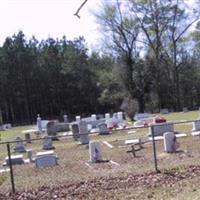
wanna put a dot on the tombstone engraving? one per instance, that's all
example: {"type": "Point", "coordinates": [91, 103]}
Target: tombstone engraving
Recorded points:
{"type": "Point", "coordinates": [103, 130]}
{"type": "Point", "coordinates": [47, 143]}
{"type": "Point", "coordinates": [83, 132]}
{"type": "Point", "coordinates": [39, 123]}
{"type": "Point", "coordinates": [196, 125]}
{"type": "Point", "coordinates": [170, 144]}
{"type": "Point", "coordinates": [160, 129]}
{"type": "Point", "coordinates": [95, 152]}
{"type": "Point", "coordinates": [46, 161]}
{"type": "Point", "coordinates": [52, 130]}
{"type": "Point", "coordinates": [19, 146]}
{"type": "Point", "coordinates": [75, 131]}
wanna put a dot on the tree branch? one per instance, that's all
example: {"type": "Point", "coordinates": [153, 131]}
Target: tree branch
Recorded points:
{"type": "Point", "coordinates": [78, 10]}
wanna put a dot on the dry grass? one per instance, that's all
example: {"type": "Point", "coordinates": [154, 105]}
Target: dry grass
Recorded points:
{"type": "Point", "coordinates": [73, 165]}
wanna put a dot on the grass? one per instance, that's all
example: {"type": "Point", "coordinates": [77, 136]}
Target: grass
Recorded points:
{"type": "Point", "coordinates": [73, 158]}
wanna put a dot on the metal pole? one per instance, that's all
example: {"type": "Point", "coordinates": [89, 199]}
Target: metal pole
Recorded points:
{"type": "Point", "coordinates": [11, 169]}
{"type": "Point", "coordinates": [154, 150]}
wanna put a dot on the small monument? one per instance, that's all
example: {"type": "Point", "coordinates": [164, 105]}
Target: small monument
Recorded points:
{"type": "Point", "coordinates": [170, 143]}
{"type": "Point", "coordinates": [83, 132]}
{"type": "Point", "coordinates": [95, 152]}
{"type": "Point", "coordinates": [65, 118]}
{"type": "Point", "coordinates": [78, 119]}
{"type": "Point", "coordinates": [75, 131]}
{"type": "Point", "coordinates": [196, 125]}
{"type": "Point", "coordinates": [52, 130]}
{"type": "Point", "coordinates": [46, 161]}
{"type": "Point", "coordinates": [19, 146]}
{"type": "Point", "coordinates": [39, 123]}
{"type": "Point", "coordinates": [47, 143]}
{"type": "Point", "coordinates": [103, 130]}
{"type": "Point", "coordinates": [28, 137]}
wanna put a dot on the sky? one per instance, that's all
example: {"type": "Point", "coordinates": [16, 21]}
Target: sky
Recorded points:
{"type": "Point", "coordinates": [49, 18]}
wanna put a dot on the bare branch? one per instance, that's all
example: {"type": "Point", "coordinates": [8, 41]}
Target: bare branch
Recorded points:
{"type": "Point", "coordinates": [78, 10]}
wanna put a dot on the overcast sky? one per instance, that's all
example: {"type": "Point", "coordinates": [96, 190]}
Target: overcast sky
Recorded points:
{"type": "Point", "coordinates": [43, 18]}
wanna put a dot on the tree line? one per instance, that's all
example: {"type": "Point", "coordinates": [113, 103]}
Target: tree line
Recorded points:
{"type": "Point", "coordinates": [151, 61]}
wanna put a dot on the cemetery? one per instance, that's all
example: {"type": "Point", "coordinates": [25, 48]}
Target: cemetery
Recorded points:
{"type": "Point", "coordinates": [86, 163]}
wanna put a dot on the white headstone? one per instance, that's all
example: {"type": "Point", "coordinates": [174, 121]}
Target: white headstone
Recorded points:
{"type": "Point", "coordinates": [39, 123]}
{"type": "Point", "coordinates": [19, 146]}
{"type": "Point", "coordinates": [120, 116]}
{"type": "Point", "coordinates": [47, 143]}
{"type": "Point", "coordinates": [161, 128]}
{"type": "Point", "coordinates": [46, 161]}
{"type": "Point", "coordinates": [95, 152]}
{"type": "Point", "coordinates": [65, 118]}
{"type": "Point", "coordinates": [78, 119]}
{"type": "Point", "coordinates": [83, 132]}
{"type": "Point", "coordinates": [107, 116]}
{"type": "Point", "coordinates": [169, 142]}
{"type": "Point", "coordinates": [93, 117]}
{"type": "Point", "coordinates": [196, 125]}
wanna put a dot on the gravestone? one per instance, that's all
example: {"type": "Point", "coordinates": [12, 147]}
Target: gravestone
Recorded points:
{"type": "Point", "coordinates": [93, 117]}
{"type": "Point", "coordinates": [120, 117]}
{"type": "Point", "coordinates": [29, 154]}
{"type": "Point", "coordinates": [39, 123]}
{"type": "Point", "coordinates": [47, 143]}
{"type": "Point", "coordinates": [52, 130]}
{"type": "Point", "coordinates": [15, 159]}
{"type": "Point", "coordinates": [107, 116]}
{"type": "Point", "coordinates": [19, 146]}
{"type": "Point", "coordinates": [164, 111]}
{"type": "Point", "coordinates": [61, 127]}
{"type": "Point", "coordinates": [28, 137]}
{"type": "Point", "coordinates": [78, 119]}
{"type": "Point", "coordinates": [141, 116]}
{"type": "Point", "coordinates": [75, 131]}
{"type": "Point", "coordinates": [65, 118]}
{"type": "Point", "coordinates": [170, 144]}
{"type": "Point", "coordinates": [46, 161]}
{"type": "Point", "coordinates": [95, 152]}
{"type": "Point", "coordinates": [196, 125]}
{"type": "Point", "coordinates": [83, 132]}
{"type": "Point", "coordinates": [185, 109]}
{"type": "Point", "coordinates": [103, 130]}
{"type": "Point", "coordinates": [160, 129]}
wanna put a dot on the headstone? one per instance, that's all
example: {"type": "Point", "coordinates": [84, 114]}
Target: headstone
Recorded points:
{"type": "Point", "coordinates": [160, 129]}
{"type": "Point", "coordinates": [185, 109]}
{"type": "Point", "coordinates": [196, 125]}
{"type": "Point", "coordinates": [95, 152]}
{"type": "Point", "coordinates": [61, 127]}
{"type": "Point", "coordinates": [120, 116]}
{"type": "Point", "coordinates": [83, 132]}
{"type": "Point", "coordinates": [75, 131]}
{"type": "Point", "coordinates": [47, 143]}
{"type": "Point", "coordinates": [19, 146]}
{"type": "Point", "coordinates": [164, 111]}
{"type": "Point", "coordinates": [65, 118]}
{"type": "Point", "coordinates": [39, 123]}
{"type": "Point", "coordinates": [29, 154]}
{"type": "Point", "coordinates": [51, 130]}
{"type": "Point", "coordinates": [103, 130]}
{"type": "Point", "coordinates": [170, 144]}
{"type": "Point", "coordinates": [28, 137]}
{"type": "Point", "coordinates": [93, 117]}
{"type": "Point", "coordinates": [78, 119]}
{"type": "Point", "coordinates": [15, 159]}
{"type": "Point", "coordinates": [46, 161]}
{"type": "Point", "coordinates": [107, 116]}
{"type": "Point", "coordinates": [141, 116]}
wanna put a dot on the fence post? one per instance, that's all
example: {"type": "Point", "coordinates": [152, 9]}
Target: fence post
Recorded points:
{"type": "Point", "coordinates": [154, 150]}
{"type": "Point", "coordinates": [11, 169]}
